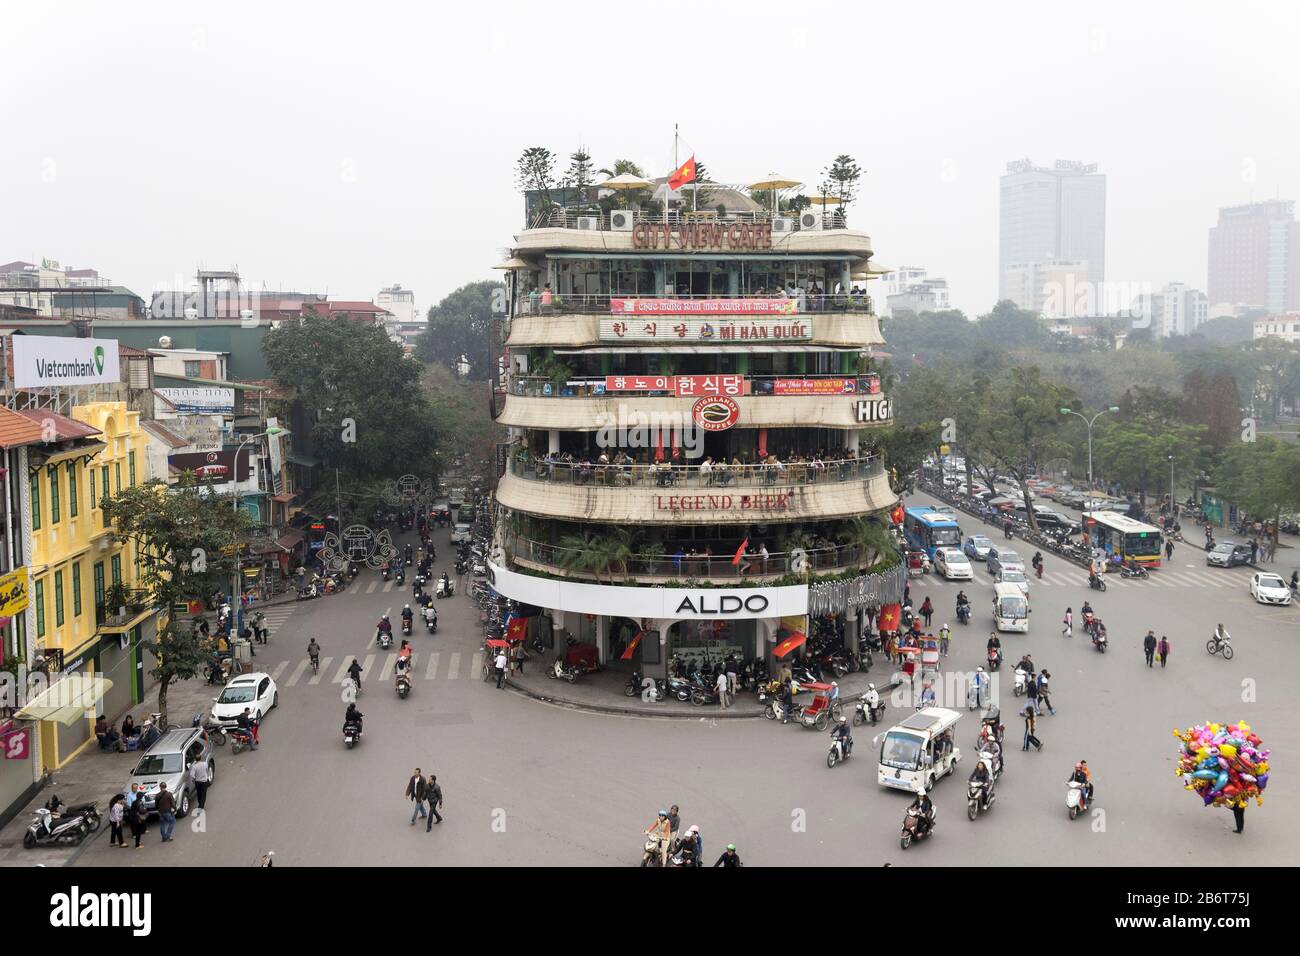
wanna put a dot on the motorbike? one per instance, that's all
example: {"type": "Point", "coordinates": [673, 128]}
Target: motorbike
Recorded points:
{"type": "Point", "coordinates": [403, 683]}
{"type": "Point", "coordinates": [385, 638]}
{"type": "Point", "coordinates": [995, 659]}
{"type": "Point", "coordinates": [70, 827]}
{"type": "Point", "coordinates": [1090, 622]}
{"type": "Point", "coordinates": [446, 588]}
{"type": "Point", "coordinates": [702, 694]}
{"type": "Point", "coordinates": [387, 573]}
{"type": "Point", "coordinates": [462, 566]}
{"type": "Point", "coordinates": [679, 687]}
{"type": "Point", "coordinates": [401, 577]}
{"type": "Point", "coordinates": [406, 628]}
{"type": "Point", "coordinates": [963, 613]}
{"type": "Point", "coordinates": [1099, 641]}
{"type": "Point", "coordinates": [215, 729]}
{"type": "Point", "coordinates": [1021, 682]}
{"type": "Point", "coordinates": [650, 855]}
{"type": "Point", "coordinates": [561, 670]}
{"type": "Point", "coordinates": [1139, 573]}
{"type": "Point", "coordinates": [240, 739]}
{"type": "Point", "coordinates": [431, 624]}
{"type": "Point", "coordinates": [308, 591]}
{"type": "Point", "coordinates": [684, 857]}
{"type": "Point", "coordinates": [1075, 800]}
{"type": "Point", "coordinates": [1096, 582]}
{"type": "Point", "coordinates": [913, 830]}
{"type": "Point", "coordinates": [1219, 645]}
{"type": "Point", "coordinates": [837, 753]}
{"type": "Point", "coordinates": [636, 686]}
{"type": "Point", "coordinates": [864, 713]}
{"type": "Point", "coordinates": [351, 734]}
{"type": "Point", "coordinates": [979, 797]}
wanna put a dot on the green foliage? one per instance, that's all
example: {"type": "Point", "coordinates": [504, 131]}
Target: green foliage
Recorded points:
{"type": "Point", "coordinates": [1262, 477]}
{"type": "Point", "coordinates": [187, 539]}
{"type": "Point", "coordinates": [372, 421]}
{"type": "Point", "coordinates": [535, 172]}
{"type": "Point", "coordinates": [1136, 451]}
{"type": "Point", "coordinates": [579, 175]}
{"type": "Point", "coordinates": [461, 325]}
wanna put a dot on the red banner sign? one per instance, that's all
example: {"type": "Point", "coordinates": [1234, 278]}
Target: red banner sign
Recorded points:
{"type": "Point", "coordinates": [703, 307]}
{"type": "Point", "coordinates": [683, 386]}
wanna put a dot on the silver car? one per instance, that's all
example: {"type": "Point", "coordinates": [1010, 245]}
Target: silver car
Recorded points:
{"type": "Point", "coordinates": [1004, 559]}
{"type": "Point", "coordinates": [169, 761]}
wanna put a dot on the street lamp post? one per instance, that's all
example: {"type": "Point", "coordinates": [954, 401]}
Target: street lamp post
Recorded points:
{"type": "Point", "coordinates": [1089, 422]}
{"type": "Point", "coordinates": [236, 609]}
{"type": "Point", "coordinates": [1173, 506]}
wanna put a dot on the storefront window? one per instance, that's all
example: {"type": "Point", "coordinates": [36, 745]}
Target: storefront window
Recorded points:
{"type": "Point", "coordinates": [710, 642]}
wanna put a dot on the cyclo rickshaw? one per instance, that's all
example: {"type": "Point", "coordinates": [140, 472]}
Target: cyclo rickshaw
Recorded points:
{"type": "Point", "coordinates": [818, 713]}
{"type": "Point", "coordinates": [918, 563]}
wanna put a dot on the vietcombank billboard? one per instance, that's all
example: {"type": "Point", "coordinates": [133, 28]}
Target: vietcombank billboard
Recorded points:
{"type": "Point", "coordinates": [44, 360]}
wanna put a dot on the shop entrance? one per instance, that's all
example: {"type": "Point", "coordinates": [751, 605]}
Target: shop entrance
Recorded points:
{"type": "Point", "coordinates": [706, 643]}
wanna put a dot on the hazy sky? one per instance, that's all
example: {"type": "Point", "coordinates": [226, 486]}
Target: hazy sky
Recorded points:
{"type": "Point", "coordinates": [344, 147]}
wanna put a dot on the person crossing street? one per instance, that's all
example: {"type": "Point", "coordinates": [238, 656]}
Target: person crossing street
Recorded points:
{"type": "Point", "coordinates": [1149, 645]}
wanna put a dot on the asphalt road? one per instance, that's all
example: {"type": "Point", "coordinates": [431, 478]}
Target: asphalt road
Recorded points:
{"type": "Point", "coordinates": [531, 783]}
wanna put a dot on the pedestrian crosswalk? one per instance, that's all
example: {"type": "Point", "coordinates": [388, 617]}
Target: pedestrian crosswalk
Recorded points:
{"type": "Point", "coordinates": [274, 615]}
{"type": "Point", "coordinates": [1162, 578]}
{"type": "Point", "coordinates": [431, 666]}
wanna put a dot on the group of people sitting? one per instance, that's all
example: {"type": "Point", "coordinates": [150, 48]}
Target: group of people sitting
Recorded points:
{"type": "Point", "coordinates": [619, 467]}
{"type": "Point", "coordinates": [130, 737]}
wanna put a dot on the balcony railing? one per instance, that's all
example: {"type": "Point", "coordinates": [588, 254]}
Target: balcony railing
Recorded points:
{"type": "Point", "coordinates": [535, 302]}
{"type": "Point", "coordinates": [820, 560]}
{"type": "Point", "coordinates": [757, 386]}
{"type": "Point", "coordinates": [594, 219]}
{"type": "Point", "coordinates": [719, 476]}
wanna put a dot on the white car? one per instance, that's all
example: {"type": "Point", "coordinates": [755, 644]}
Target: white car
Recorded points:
{"type": "Point", "coordinates": [1268, 588]}
{"type": "Point", "coordinates": [952, 564]}
{"type": "Point", "coordinates": [1013, 576]}
{"type": "Point", "coordinates": [460, 533]}
{"type": "Point", "coordinates": [257, 692]}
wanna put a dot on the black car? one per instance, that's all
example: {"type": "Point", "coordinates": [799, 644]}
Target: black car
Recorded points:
{"type": "Point", "coordinates": [1228, 554]}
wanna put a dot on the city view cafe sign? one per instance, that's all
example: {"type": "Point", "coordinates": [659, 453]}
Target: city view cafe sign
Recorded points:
{"type": "Point", "coordinates": [702, 235]}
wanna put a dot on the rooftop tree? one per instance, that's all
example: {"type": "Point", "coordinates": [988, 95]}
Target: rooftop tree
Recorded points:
{"type": "Point", "coordinates": [187, 538]}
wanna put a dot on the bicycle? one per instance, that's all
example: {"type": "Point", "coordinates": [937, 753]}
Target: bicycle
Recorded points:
{"type": "Point", "coordinates": [1219, 645]}
{"type": "Point", "coordinates": [315, 664]}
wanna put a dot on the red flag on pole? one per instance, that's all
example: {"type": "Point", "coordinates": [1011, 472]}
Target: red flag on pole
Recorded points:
{"type": "Point", "coordinates": [516, 629]}
{"type": "Point", "coordinates": [684, 174]}
{"type": "Point", "coordinates": [632, 646]}
{"type": "Point", "coordinates": [890, 615]}
{"type": "Point", "coordinates": [796, 639]}
{"type": "Point", "coordinates": [740, 552]}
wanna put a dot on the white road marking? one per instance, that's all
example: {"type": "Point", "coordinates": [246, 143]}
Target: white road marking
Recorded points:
{"type": "Point", "coordinates": [298, 672]}
{"type": "Point", "coordinates": [476, 664]}
{"type": "Point", "coordinates": [279, 669]}
{"type": "Point", "coordinates": [366, 666]}
{"type": "Point", "coordinates": [453, 666]}
{"type": "Point", "coordinates": [431, 671]}
{"type": "Point", "coordinates": [342, 672]}
{"type": "Point", "coordinates": [315, 678]}
{"type": "Point", "coordinates": [371, 589]}
{"type": "Point", "coordinates": [386, 671]}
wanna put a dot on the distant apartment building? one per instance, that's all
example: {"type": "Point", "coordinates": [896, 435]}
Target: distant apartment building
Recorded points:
{"type": "Point", "coordinates": [1054, 288]}
{"type": "Point", "coordinates": [52, 291]}
{"type": "Point", "coordinates": [911, 289]}
{"type": "Point", "coordinates": [1047, 217]}
{"type": "Point", "coordinates": [1285, 327]}
{"type": "Point", "coordinates": [1174, 310]}
{"type": "Point", "coordinates": [1255, 256]}
{"type": "Point", "coordinates": [401, 303]}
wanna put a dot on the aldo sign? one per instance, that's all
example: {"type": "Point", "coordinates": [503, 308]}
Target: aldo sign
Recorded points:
{"type": "Point", "coordinates": [41, 360]}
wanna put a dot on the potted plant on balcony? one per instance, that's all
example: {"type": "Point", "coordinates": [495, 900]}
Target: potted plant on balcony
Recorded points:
{"type": "Point", "coordinates": [651, 553]}
{"type": "Point", "coordinates": [116, 599]}
{"type": "Point", "coordinates": [871, 538]}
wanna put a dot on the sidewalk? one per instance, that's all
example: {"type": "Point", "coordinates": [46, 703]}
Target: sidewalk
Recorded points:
{"type": "Point", "coordinates": [603, 693]}
{"type": "Point", "coordinates": [95, 776]}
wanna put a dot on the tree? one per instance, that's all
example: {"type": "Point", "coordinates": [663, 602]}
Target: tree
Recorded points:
{"type": "Point", "coordinates": [461, 325]}
{"type": "Point", "coordinates": [535, 173]}
{"type": "Point", "coordinates": [1213, 400]}
{"type": "Point", "coordinates": [1136, 453]}
{"type": "Point", "coordinates": [906, 446]}
{"type": "Point", "coordinates": [704, 187]}
{"type": "Point", "coordinates": [1019, 424]}
{"type": "Point", "coordinates": [370, 418]}
{"type": "Point", "coordinates": [1263, 477]}
{"type": "Point", "coordinates": [579, 175]}
{"type": "Point", "coordinates": [620, 167]}
{"type": "Point", "coordinates": [187, 538]}
{"type": "Point", "coordinates": [872, 539]}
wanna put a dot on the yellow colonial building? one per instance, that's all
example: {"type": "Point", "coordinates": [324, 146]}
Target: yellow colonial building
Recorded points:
{"type": "Point", "coordinates": [79, 628]}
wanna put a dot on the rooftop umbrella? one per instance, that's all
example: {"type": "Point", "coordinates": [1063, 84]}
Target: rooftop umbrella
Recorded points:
{"type": "Point", "coordinates": [775, 182]}
{"type": "Point", "coordinates": [625, 181]}
{"type": "Point", "coordinates": [513, 264]}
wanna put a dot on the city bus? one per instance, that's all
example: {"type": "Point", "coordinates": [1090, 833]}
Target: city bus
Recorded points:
{"type": "Point", "coordinates": [927, 529]}
{"type": "Point", "coordinates": [1112, 532]}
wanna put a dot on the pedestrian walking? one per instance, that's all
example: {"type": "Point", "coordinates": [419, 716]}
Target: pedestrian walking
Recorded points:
{"type": "Point", "coordinates": [1031, 725]}
{"type": "Point", "coordinates": [417, 792]}
{"type": "Point", "coordinates": [1044, 692]}
{"type": "Point", "coordinates": [723, 691]}
{"type": "Point", "coordinates": [1149, 644]}
{"type": "Point", "coordinates": [1067, 623]}
{"type": "Point", "coordinates": [1271, 544]}
{"type": "Point", "coordinates": [1254, 550]}
{"type": "Point", "coordinates": [1164, 650]}
{"type": "Point", "coordinates": [1239, 814]}
{"type": "Point", "coordinates": [116, 814]}
{"type": "Point", "coordinates": [165, 804]}
{"type": "Point", "coordinates": [945, 635]}
{"type": "Point", "coordinates": [500, 665]}
{"type": "Point", "coordinates": [733, 677]}
{"type": "Point", "coordinates": [139, 820]}
{"type": "Point", "coordinates": [202, 779]}
{"type": "Point", "coordinates": [1031, 691]}
{"type": "Point", "coordinates": [927, 611]}
{"type": "Point", "coordinates": [433, 793]}
{"type": "Point", "coordinates": [1169, 548]}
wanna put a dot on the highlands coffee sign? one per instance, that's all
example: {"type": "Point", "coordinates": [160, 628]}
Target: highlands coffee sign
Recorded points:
{"type": "Point", "coordinates": [702, 235]}
{"type": "Point", "coordinates": [44, 360]}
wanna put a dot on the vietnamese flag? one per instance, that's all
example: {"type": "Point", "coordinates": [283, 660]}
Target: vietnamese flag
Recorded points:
{"type": "Point", "coordinates": [896, 515]}
{"type": "Point", "coordinates": [890, 615]}
{"type": "Point", "coordinates": [632, 646]}
{"type": "Point", "coordinates": [797, 639]}
{"type": "Point", "coordinates": [740, 552]}
{"type": "Point", "coordinates": [516, 628]}
{"type": "Point", "coordinates": [684, 174]}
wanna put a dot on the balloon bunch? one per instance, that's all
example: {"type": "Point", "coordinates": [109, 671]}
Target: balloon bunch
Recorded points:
{"type": "Point", "coordinates": [1226, 764]}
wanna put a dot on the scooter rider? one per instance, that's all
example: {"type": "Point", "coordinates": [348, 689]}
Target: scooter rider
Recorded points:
{"type": "Point", "coordinates": [354, 671]}
{"type": "Point", "coordinates": [981, 777]}
{"type": "Point", "coordinates": [386, 626]}
{"type": "Point", "coordinates": [842, 733]}
{"type": "Point", "coordinates": [872, 699]}
{"type": "Point", "coordinates": [730, 857]}
{"type": "Point", "coordinates": [659, 831]}
{"type": "Point", "coordinates": [1083, 775]}
{"type": "Point", "coordinates": [407, 615]}
{"type": "Point", "coordinates": [353, 716]}
{"type": "Point", "coordinates": [990, 745]}
{"type": "Point", "coordinates": [446, 583]}
{"type": "Point", "coordinates": [313, 651]}
{"type": "Point", "coordinates": [1086, 610]}
{"type": "Point", "coordinates": [430, 614]}
{"type": "Point", "coordinates": [925, 811]}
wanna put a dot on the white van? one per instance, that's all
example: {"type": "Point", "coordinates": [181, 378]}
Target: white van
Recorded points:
{"type": "Point", "coordinates": [1010, 608]}
{"type": "Point", "coordinates": [920, 750]}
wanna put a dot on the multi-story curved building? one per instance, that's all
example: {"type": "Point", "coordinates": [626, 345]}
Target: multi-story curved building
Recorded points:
{"type": "Point", "coordinates": [693, 412]}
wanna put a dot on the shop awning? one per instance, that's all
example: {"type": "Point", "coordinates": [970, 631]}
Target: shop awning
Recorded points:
{"type": "Point", "coordinates": [126, 625]}
{"type": "Point", "coordinates": [305, 460]}
{"type": "Point", "coordinates": [285, 498]}
{"type": "Point", "coordinates": [68, 700]}
{"type": "Point", "coordinates": [711, 256]}
{"type": "Point", "coordinates": [289, 540]}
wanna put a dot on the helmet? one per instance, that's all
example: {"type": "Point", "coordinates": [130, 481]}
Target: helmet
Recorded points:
{"type": "Point", "coordinates": [871, 687]}
{"type": "Point", "coordinates": [693, 829]}
{"type": "Point", "coordinates": [731, 847]}
{"type": "Point", "coordinates": [843, 719]}
{"type": "Point", "coordinates": [979, 670]}
{"type": "Point", "coordinates": [945, 626]}
{"type": "Point", "coordinates": [408, 607]}
{"type": "Point", "coordinates": [663, 813]}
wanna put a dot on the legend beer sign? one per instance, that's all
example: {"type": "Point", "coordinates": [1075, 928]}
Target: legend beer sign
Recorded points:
{"type": "Point", "coordinates": [878, 410]}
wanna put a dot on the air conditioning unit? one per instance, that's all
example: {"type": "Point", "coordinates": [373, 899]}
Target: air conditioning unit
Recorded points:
{"type": "Point", "coordinates": [810, 220]}
{"type": "Point", "coordinates": [782, 224]}
{"type": "Point", "coordinates": [620, 220]}
{"type": "Point", "coordinates": [103, 543]}
{"type": "Point", "coordinates": [590, 223]}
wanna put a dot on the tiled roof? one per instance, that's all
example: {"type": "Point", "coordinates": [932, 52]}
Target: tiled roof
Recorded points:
{"type": "Point", "coordinates": [65, 428]}
{"type": "Point", "coordinates": [165, 434]}
{"type": "Point", "coordinates": [16, 430]}
{"type": "Point", "coordinates": [126, 351]}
